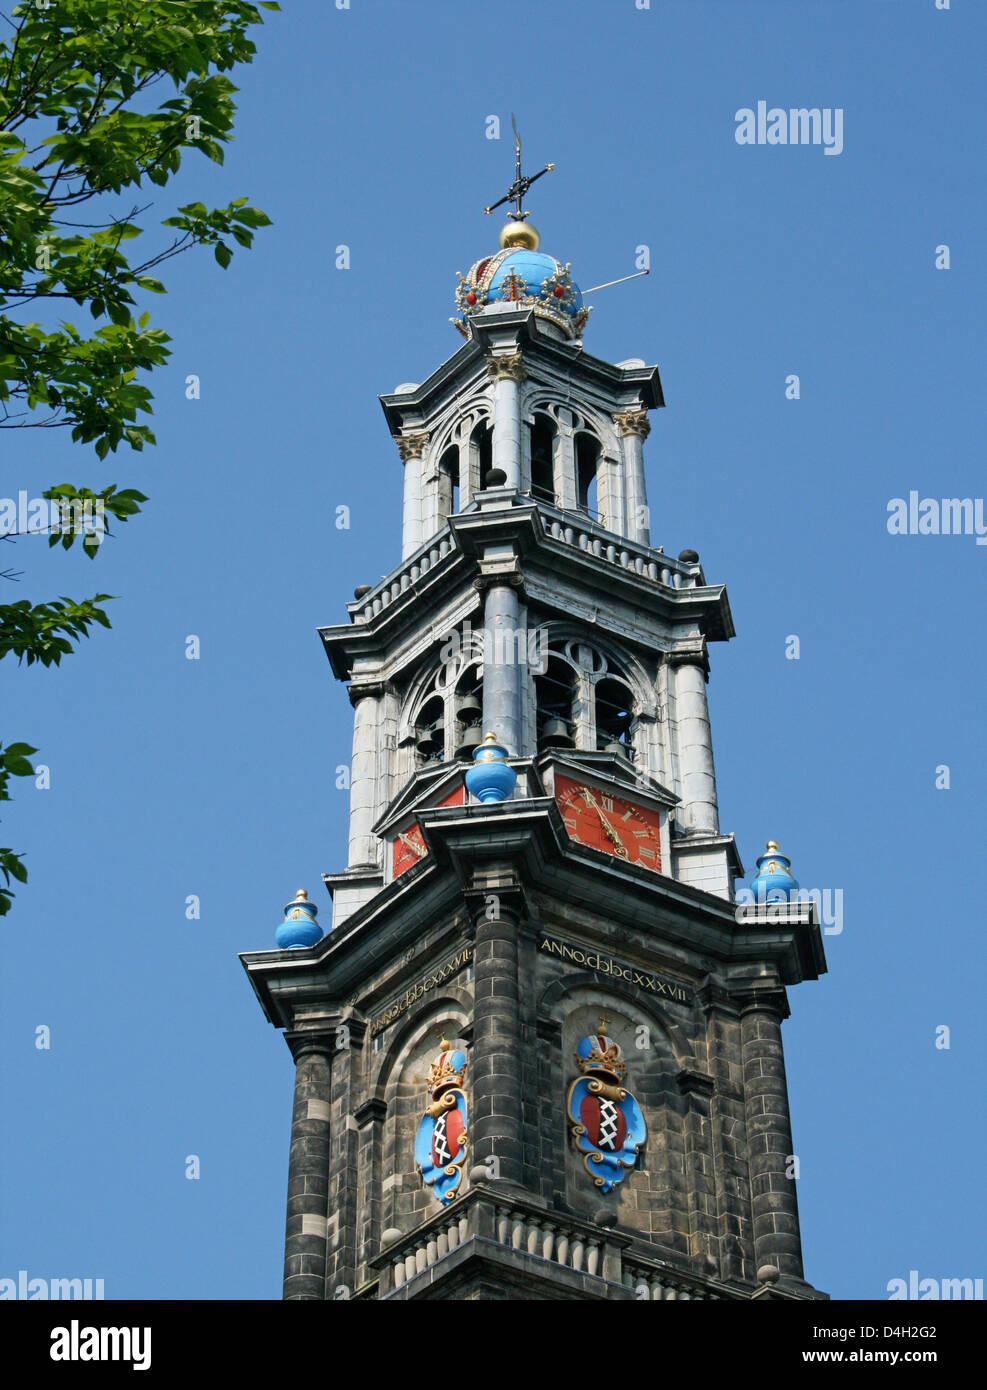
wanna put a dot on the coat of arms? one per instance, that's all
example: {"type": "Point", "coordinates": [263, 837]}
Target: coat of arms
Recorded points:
{"type": "Point", "coordinates": [604, 1117]}
{"type": "Point", "coordinates": [440, 1144]}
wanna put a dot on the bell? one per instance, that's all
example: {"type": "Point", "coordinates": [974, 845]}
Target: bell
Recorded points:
{"type": "Point", "coordinates": [470, 710]}
{"type": "Point", "coordinates": [472, 738]}
{"type": "Point", "coordinates": [615, 746]}
{"type": "Point", "coordinates": [431, 741]}
{"type": "Point", "coordinates": [556, 734]}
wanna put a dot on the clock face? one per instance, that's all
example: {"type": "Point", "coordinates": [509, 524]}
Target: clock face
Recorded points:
{"type": "Point", "coordinates": [609, 822]}
{"type": "Point", "coordinates": [408, 846]}
{"type": "Point", "coordinates": [407, 849]}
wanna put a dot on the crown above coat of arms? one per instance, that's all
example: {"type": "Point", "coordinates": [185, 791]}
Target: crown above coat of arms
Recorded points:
{"type": "Point", "coordinates": [448, 1069]}
{"type": "Point", "coordinates": [599, 1053]}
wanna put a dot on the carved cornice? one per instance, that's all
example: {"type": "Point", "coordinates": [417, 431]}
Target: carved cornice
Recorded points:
{"type": "Point", "coordinates": [509, 366]}
{"type": "Point", "coordinates": [411, 446]}
{"type": "Point", "coordinates": [372, 1111]}
{"type": "Point", "coordinates": [696, 1083]}
{"type": "Point", "coordinates": [633, 422]}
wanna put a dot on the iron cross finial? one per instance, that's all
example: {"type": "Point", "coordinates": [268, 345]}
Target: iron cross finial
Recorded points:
{"type": "Point", "coordinates": [521, 182]}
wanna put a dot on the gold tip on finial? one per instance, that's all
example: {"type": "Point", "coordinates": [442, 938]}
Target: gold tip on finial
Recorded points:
{"type": "Point", "coordinates": [301, 893]}
{"type": "Point", "coordinates": [519, 234]}
{"type": "Point", "coordinates": [771, 846]}
{"type": "Point", "coordinates": [489, 738]}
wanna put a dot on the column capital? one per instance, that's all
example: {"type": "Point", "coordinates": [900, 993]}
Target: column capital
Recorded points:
{"type": "Point", "coordinates": [510, 904]}
{"type": "Point", "coordinates": [697, 656]}
{"type": "Point", "coordinates": [411, 446]}
{"type": "Point", "coordinates": [304, 1041]}
{"type": "Point", "coordinates": [507, 366]}
{"type": "Point", "coordinates": [367, 690]}
{"type": "Point", "coordinates": [711, 996]}
{"type": "Point", "coordinates": [762, 998]}
{"type": "Point", "coordinates": [633, 422]}
{"type": "Point", "coordinates": [510, 579]}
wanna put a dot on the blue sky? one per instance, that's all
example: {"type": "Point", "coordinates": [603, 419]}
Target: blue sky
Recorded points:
{"type": "Point", "coordinates": [216, 777]}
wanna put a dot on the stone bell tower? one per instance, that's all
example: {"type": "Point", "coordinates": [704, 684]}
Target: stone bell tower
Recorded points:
{"type": "Point", "coordinates": [538, 1055]}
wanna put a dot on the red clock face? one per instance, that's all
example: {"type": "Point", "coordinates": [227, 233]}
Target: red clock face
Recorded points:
{"type": "Point", "coordinates": [408, 848]}
{"type": "Point", "coordinates": [608, 822]}
{"type": "Point", "coordinates": [409, 845]}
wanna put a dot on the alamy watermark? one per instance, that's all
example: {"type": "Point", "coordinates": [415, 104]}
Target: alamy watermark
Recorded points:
{"type": "Point", "coordinates": [932, 1289]}
{"type": "Point", "coordinates": [26, 1288]}
{"type": "Point", "coordinates": [502, 646]}
{"type": "Point", "coordinates": [828, 901]}
{"type": "Point", "coordinates": [934, 516]}
{"type": "Point", "coordinates": [57, 516]}
{"type": "Point", "coordinates": [795, 125]}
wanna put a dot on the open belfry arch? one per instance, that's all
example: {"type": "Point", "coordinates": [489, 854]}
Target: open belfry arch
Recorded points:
{"type": "Point", "coordinates": [538, 1054]}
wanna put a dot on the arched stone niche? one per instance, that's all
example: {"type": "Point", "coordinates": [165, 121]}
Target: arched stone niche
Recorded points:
{"type": "Point", "coordinates": [400, 1081]}
{"type": "Point", "coordinates": [652, 1201]}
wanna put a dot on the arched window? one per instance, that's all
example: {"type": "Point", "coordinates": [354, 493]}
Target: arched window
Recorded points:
{"type": "Point", "coordinates": [543, 436]}
{"type": "Point", "coordinates": [555, 697]}
{"type": "Point", "coordinates": [469, 712]}
{"type": "Point", "coordinates": [481, 451]}
{"type": "Point", "coordinates": [614, 716]}
{"type": "Point", "coordinates": [430, 730]}
{"type": "Point", "coordinates": [449, 482]}
{"type": "Point", "coordinates": [587, 462]}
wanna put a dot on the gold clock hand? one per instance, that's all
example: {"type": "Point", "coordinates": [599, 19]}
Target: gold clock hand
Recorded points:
{"type": "Point", "coordinates": [611, 833]}
{"type": "Point", "coordinates": [411, 844]}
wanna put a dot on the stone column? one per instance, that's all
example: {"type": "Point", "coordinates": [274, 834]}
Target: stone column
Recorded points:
{"type": "Point", "coordinates": [769, 1131]}
{"type": "Point", "coordinates": [495, 1054]}
{"type": "Point", "coordinates": [700, 1168]}
{"type": "Point", "coordinates": [729, 1132]}
{"type": "Point", "coordinates": [363, 776]}
{"type": "Point", "coordinates": [504, 661]}
{"type": "Point", "coordinates": [634, 430]}
{"type": "Point", "coordinates": [508, 373]}
{"type": "Point", "coordinates": [308, 1168]}
{"type": "Point", "coordinates": [698, 811]}
{"type": "Point", "coordinates": [411, 447]}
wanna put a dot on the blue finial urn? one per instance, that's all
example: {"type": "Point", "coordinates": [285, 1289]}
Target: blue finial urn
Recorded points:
{"type": "Point", "coordinates": [299, 927]}
{"type": "Point", "coordinates": [774, 879]}
{"type": "Point", "coordinates": [490, 778]}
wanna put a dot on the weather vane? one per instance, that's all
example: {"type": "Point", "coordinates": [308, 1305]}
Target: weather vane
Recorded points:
{"type": "Point", "coordinates": [521, 182]}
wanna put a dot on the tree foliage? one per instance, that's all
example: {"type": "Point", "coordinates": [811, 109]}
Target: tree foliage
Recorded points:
{"type": "Point", "coordinates": [99, 101]}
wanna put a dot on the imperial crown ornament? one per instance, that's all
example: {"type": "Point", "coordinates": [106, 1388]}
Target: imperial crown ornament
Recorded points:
{"type": "Point", "coordinates": [440, 1144]}
{"type": "Point", "coordinates": [604, 1117]}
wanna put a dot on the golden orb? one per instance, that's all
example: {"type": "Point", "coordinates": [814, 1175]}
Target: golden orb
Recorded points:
{"type": "Point", "coordinates": [771, 845]}
{"type": "Point", "coordinates": [519, 234]}
{"type": "Point", "coordinates": [444, 1044]}
{"type": "Point", "coordinates": [301, 893]}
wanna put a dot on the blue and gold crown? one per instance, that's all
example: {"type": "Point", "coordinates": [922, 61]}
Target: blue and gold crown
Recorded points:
{"type": "Point", "coordinates": [448, 1069]}
{"type": "Point", "coordinates": [522, 275]}
{"type": "Point", "coordinates": [600, 1054]}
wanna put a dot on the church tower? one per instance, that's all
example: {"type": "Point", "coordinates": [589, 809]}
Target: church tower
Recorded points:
{"type": "Point", "coordinates": [539, 1054]}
